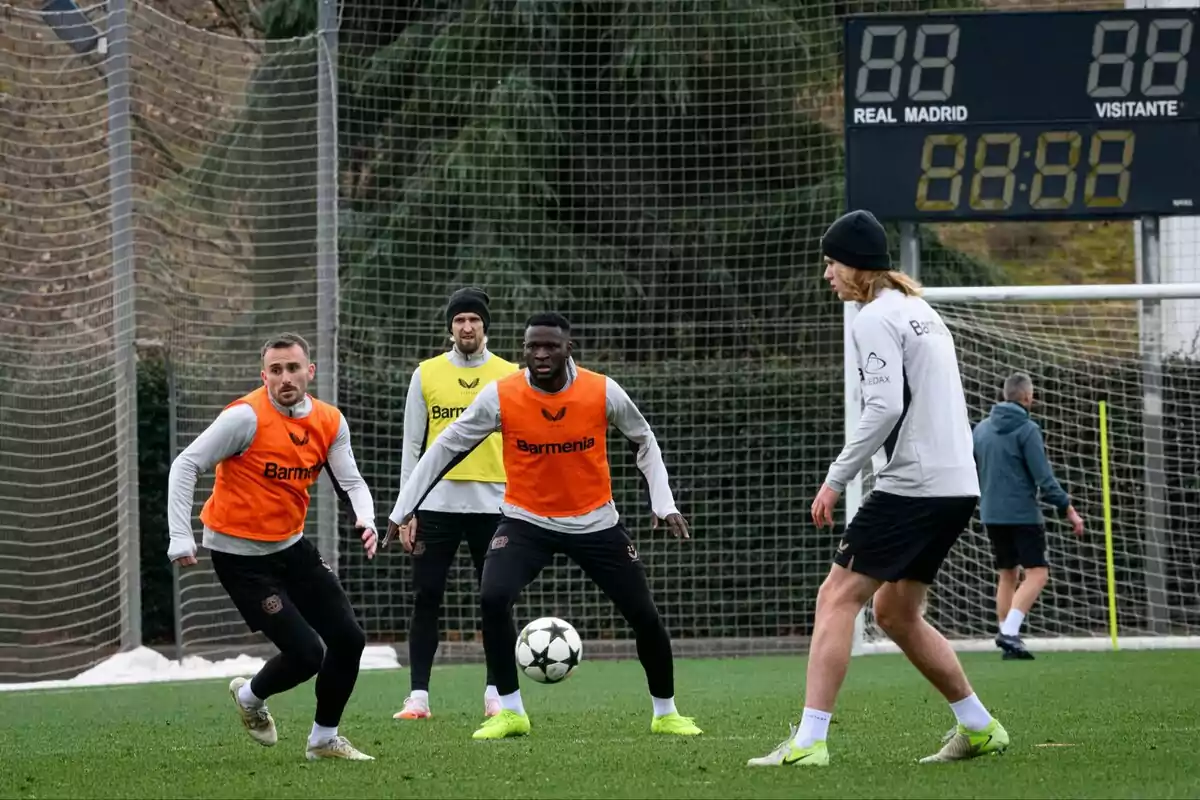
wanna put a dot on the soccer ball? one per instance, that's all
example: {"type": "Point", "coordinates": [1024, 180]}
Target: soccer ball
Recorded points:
{"type": "Point", "coordinates": [549, 649]}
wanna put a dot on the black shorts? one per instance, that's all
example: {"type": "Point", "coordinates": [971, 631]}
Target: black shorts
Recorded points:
{"type": "Point", "coordinates": [439, 534]}
{"type": "Point", "coordinates": [263, 586]}
{"type": "Point", "coordinates": [608, 557]}
{"type": "Point", "coordinates": [1018, 545]}
{"type": "Point", "coordinates": [894, 538]}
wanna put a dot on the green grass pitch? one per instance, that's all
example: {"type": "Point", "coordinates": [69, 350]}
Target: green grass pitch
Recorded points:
{"type": "Point", "coordinates": [1083, 725]}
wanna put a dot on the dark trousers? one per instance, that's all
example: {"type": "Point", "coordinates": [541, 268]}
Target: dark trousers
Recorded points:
{"type": "Point", "coordinates": [520, 551]}
{"type": "Point", "coordinates": [294, 598]}
{"type": "Point", "coordinates": [438, 537]}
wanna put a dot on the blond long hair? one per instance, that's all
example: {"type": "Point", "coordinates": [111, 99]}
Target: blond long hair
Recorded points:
{"type": "Point", "coordinates": [867, 283]}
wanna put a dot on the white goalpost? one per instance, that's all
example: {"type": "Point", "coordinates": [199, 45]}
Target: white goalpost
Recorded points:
{"type": "Point", "coordinates": [1131, 580]}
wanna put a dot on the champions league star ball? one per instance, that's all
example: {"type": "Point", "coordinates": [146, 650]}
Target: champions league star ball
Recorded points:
{"type": "Point", "coordinates": [548, 650]}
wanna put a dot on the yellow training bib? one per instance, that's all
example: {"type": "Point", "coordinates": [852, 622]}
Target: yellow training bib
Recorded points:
{"type": "Point", "coordinates": [448, 390]}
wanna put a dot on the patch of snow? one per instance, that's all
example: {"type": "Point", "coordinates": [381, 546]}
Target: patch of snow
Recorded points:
{"type": "Point", "coordinates": [144, 665]}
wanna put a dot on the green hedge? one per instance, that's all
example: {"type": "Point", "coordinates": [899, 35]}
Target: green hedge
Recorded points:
{"type": "Point", "coordinates": [154, 464]}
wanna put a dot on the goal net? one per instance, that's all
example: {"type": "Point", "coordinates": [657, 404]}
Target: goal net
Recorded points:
{"type": "Point", "coordinates": [62, 604]}
{"type": "Point", "coordinates": [223, 220]}
{"type": "Point", "coordinates": [659, 172]}
{"type": "Point", "coordinates": [1079, 354]}
{"type": "Point", "coordinates": [232, 239]}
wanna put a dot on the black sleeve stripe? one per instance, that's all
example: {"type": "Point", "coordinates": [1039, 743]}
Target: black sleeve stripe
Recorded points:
{"type": "Point", "coordinates": [342, 495]}
{"type": "Point", "coordinates": [889, 445]}
{"type": "Point", "coordinates": [454, 462]}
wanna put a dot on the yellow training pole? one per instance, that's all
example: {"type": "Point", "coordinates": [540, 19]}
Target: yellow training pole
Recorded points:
{"type": "Point", "coordinates": [1108, 540]}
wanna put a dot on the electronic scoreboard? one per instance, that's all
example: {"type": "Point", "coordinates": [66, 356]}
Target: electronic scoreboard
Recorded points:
{"type": "Point", "coordinates": [1022, 116]}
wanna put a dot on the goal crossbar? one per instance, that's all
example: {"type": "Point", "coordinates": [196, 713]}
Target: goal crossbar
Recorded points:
{"type": "Point", "coordinates": [1117, 291]}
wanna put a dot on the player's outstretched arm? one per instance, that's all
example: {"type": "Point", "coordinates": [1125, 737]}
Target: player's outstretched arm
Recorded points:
{"type": "Point", "coordinates": [480, 419]}
{"type": "Point", "coordinates": [229, 434]}
{"type": "Point", "coordinates": [628, 418]}
{"type": "Point", "coordinates": [880, 362]}
{"type": "Point", "coordinates": [350, 487]}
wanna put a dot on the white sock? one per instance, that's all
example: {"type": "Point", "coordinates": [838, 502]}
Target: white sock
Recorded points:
{"type": "Point", "coordinates": [490, 693]}
{"type": "Point", "coordinates": [421, 695]}
{"type": "Point", "coordinates": [1012, 623]}
{"type": "Point", "coordinates": [663, 707]}
{"type": "Point", "coordinates": [512, 702]}
{"type": "Point", "coordinates": [320, 734]}
{"type": "Point", "coordinates": [814, 727]}
{"type": "Point", "coordinates": [971, 714]}
{"type": "Point", "coordinates": [248, 698]}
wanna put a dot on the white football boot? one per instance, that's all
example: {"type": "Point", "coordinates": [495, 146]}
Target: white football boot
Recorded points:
{"type": "Point", "coordinates": [258, 721]}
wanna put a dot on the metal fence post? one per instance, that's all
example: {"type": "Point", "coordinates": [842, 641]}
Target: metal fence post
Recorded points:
{"type": "Point", "coordinates": [327, 254]}
{"type": "Point", "coordinates": [124, 302]}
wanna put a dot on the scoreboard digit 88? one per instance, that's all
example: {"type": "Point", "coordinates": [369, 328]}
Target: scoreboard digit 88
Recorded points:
{"type": "Point", "coordinates": [1022, 116]}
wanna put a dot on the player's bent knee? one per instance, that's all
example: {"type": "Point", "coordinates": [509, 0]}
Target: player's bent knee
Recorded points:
{"type": "Point", "coordinates": [645, 619]}
{"type": "Point", "coordinates": [307, 659]}
{"type": "Point", "coordinates": [350, 640]}
{"type": "Point", "coordinates": [843, 588]}
{"type": "Point", "coordinates": [1037, 575]}
{"type": "Point", "coordinates": [496, 601]}
{"type": "Point", "coordinates": [829, 596]}
{"type": "Point", "coordinates": [895, 621]}
{"type": "Point", "coordinates": [428, 597]}
{"type": "Point", "coordinates": [897, 611]}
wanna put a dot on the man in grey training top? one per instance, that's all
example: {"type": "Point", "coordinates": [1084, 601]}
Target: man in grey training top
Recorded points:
{"type": "Point", "coordinates": [1010, 456]}
{"type": "Point", "coordinates": [914, 417]}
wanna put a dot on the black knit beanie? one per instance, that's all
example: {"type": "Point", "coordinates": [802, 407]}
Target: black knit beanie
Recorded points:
{"type": "Point", "coordinates": [857, 240]}
{"type": "Point", "coordinates": [469, 299]}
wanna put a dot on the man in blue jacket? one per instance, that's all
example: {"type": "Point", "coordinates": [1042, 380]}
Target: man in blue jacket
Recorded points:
{"type": "Point", "coordinates": [1010, 456]}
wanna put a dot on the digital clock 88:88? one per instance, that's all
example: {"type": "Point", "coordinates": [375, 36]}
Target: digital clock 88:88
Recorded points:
{"type": "Point", "coordinates": [1105, 184]}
